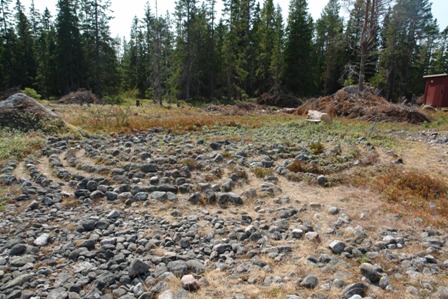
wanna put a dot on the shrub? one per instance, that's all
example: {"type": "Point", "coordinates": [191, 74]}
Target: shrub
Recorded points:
{"type": "Point", "coordinates": [316, 148]}
{"type": "Point", "coordinates": [110, 100]}
{"type": "Point", "coordinates": [32, 93]}
{"type": "Point", "coordinates": [302, 167]}
{"type": "Point", "coordinates": [131, 94]}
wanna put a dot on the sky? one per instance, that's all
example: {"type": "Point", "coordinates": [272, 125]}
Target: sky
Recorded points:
{"type": "Point", "coordinates": [125, 10]}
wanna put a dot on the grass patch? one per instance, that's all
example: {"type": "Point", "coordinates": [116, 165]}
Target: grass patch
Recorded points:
{"type": "Point", "coordinates": [260, 172]}
{"type": "Point", "coordinates": [18, 144]}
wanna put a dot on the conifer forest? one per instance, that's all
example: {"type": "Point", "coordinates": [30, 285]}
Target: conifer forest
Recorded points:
{"type": "Point", "coordinates": [196, 53]}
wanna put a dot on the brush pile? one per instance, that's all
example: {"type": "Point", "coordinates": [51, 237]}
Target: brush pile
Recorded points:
{"type": "Point", "coordinates": [364, 105]}
{"type": "Point", "coordinates": [281, 100]}
{"type": "Point", "coordinates": [81, 96]}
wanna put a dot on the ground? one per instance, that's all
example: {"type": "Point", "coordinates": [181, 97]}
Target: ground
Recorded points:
{"type": "Point", "coordinates": [250, 202]}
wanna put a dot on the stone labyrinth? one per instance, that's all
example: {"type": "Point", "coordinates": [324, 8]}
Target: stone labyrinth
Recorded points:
{"type": "Point", "coordinates": [217, 214]}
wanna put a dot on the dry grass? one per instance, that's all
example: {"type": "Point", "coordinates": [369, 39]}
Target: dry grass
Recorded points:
{"type": "Point", "coordinates": [303, 167]}
{"type": "Point", "coordinates": [260, 172]}
{"type": "Point", "coordinates": [409, 192]}
{"type": "Point", "coordinates": [128, 119]}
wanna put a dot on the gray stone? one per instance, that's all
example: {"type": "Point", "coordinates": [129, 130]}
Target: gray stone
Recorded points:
{"type": "Point", "coordinates": [96, 194]}
{"type": "Point", "coordinates": [354, 289]}
{"type": "Point", "coordinates": [333, 211]}
{"type": "Point", "coordinates": [137, 268]}
{"type": "Point", "coordinates": [110, 195]}
{"type": "Point", "coordinates": [159, 195]}
{"type": "Point", "coordinates": [371, 272]}
{"type": "Point", "coordinates": [58, 293]}
{"type": "Point", "coordinates": [42, 240]}
{"type": "Point", "coordinates": [113, 214]}
{"type": "Point", "coordinates": [17, 249]}
{"type": "Point", "coordinates": [312, 236]}
{"type": "Point", "coordinates": [195, 266]}
{"type": "Point", "coordinates": [322, 181]}
{"type": "Point", "coordinates": [141, 196]}
{"type": "Point", "coordinates": [442, 293]}
{"type": "Point", "coordinates": [190, 283]}
{"type": "Point", "coordinates": [309, 282]}
{"type": "Point", "coordinates": [147, 168]}
{"type": "Point", "coordinates": [168, 294]}
{"type": "Point", "coordinates": [18, 281]}
{"type": "Point", "coordinates": [337, 246]}
{"type": "Point", "coordinates": [178, 268]}
{"type": "Point", "coordinates": [21, 261]}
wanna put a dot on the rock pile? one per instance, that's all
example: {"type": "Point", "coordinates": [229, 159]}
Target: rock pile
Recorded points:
{"type": "Point", "coordinates": [157, 215]}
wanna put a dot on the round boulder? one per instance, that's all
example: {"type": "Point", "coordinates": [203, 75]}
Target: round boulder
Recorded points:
{"type": "Point", "coordinates": [22, 112]}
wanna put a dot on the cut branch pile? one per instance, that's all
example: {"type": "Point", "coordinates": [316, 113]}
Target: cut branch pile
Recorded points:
{"type": "Point", "coordinates": [81, 96]}
{"type": "Point", "coordinates": [363, 105]}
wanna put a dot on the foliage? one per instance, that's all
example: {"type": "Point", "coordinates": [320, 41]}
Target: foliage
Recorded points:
{"type": "Point", "coordinates": [248, 52]}
{"type": "Point", "coordinates": [32, 93]}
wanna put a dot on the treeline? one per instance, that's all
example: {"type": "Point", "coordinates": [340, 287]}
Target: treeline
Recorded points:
{"type": "Point", "coordinates": [194, 55]}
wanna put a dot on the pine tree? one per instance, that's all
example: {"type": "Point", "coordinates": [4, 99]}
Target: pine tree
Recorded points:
{"type": "Point", "coordinates": [25, 65]}
{"type": "Point", "coordinates": [7, 42]}
{"type": "Point", "coordinates": [70, 62]}
{"type": "Point", "coordinates": [98, 45]}
{"type": "Point", "coordinates": [329, 29]}
{"type": "Point", "coordinates": [409, 37]}
{"type": "Point", "coordinates": [298, 76]}
{"type": "Point", "coordinates": [185, 17]}
{"type": "Point", "coordinates": [45, 49]}
{"type": "Point", "coordinates": [439, 62]}
{"type": "Point", "coordinates": [277, 65]}
{"type": "Point", "coordinates": [267, 35]}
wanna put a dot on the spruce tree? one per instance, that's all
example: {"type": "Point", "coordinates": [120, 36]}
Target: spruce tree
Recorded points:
{"type": "Point", "coordinates": [71, 71]}
{"type": "Point", "coordinates": [329, 42]}
{"type": "Point", "coordinates": [298, 75]}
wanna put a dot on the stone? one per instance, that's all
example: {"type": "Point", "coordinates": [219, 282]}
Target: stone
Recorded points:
{"type": "Point", "coordinates": [42, 240]}
{"type": "Point", "coordinates": [337, 247]}
{"type": "Point", "coordinates": [141, 196]}
{"type": "Point", "coordinates": [442, 293]}
{"type": "Point", "coordinates": [18, 281]}
{"type": "Point", "coordinates": [17, 249]}
{"type": "Point", "coordinates": [168, 294]}
{"type": "Point", "coordinates": [58, 293]}
{"type": "Point", "coordinates": [354, 289]}
{"type": "Point", "coordinates": [190, 283]}
{"type": "Point", "coordinates": [322, 181]}
{"type": "Point", "coordinates": [20, 111]}
{"type": "Point", "coordinates": [137, 267]}
{"type": "Point", "coordinates": [333, 211]}
{"type": "Point", "coordinates": [22, 260]}
{"type": "Point", "coordinates": [312, 236]}
{"type": "Point", "coordinates": [309, 282]}
{"type": "Point", "coordinates": [149, 168]}
{"type": "Point", "coordinates": [113, 214]}
{"type": "Point", "coordinates": [371, 272]}
{"type": "Point", "coordinates": [178, 268]}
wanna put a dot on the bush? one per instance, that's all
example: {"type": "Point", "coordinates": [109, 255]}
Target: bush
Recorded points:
{"type": "Point", "coordinates": [32, 93]}
{"type": "Point", "coordinates": [131, 94]}
{"type": "Point", "coordinates": [109, 100]}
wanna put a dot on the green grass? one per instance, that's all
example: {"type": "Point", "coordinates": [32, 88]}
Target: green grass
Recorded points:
{"type": "Point", "coordinates": [18, 144]}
